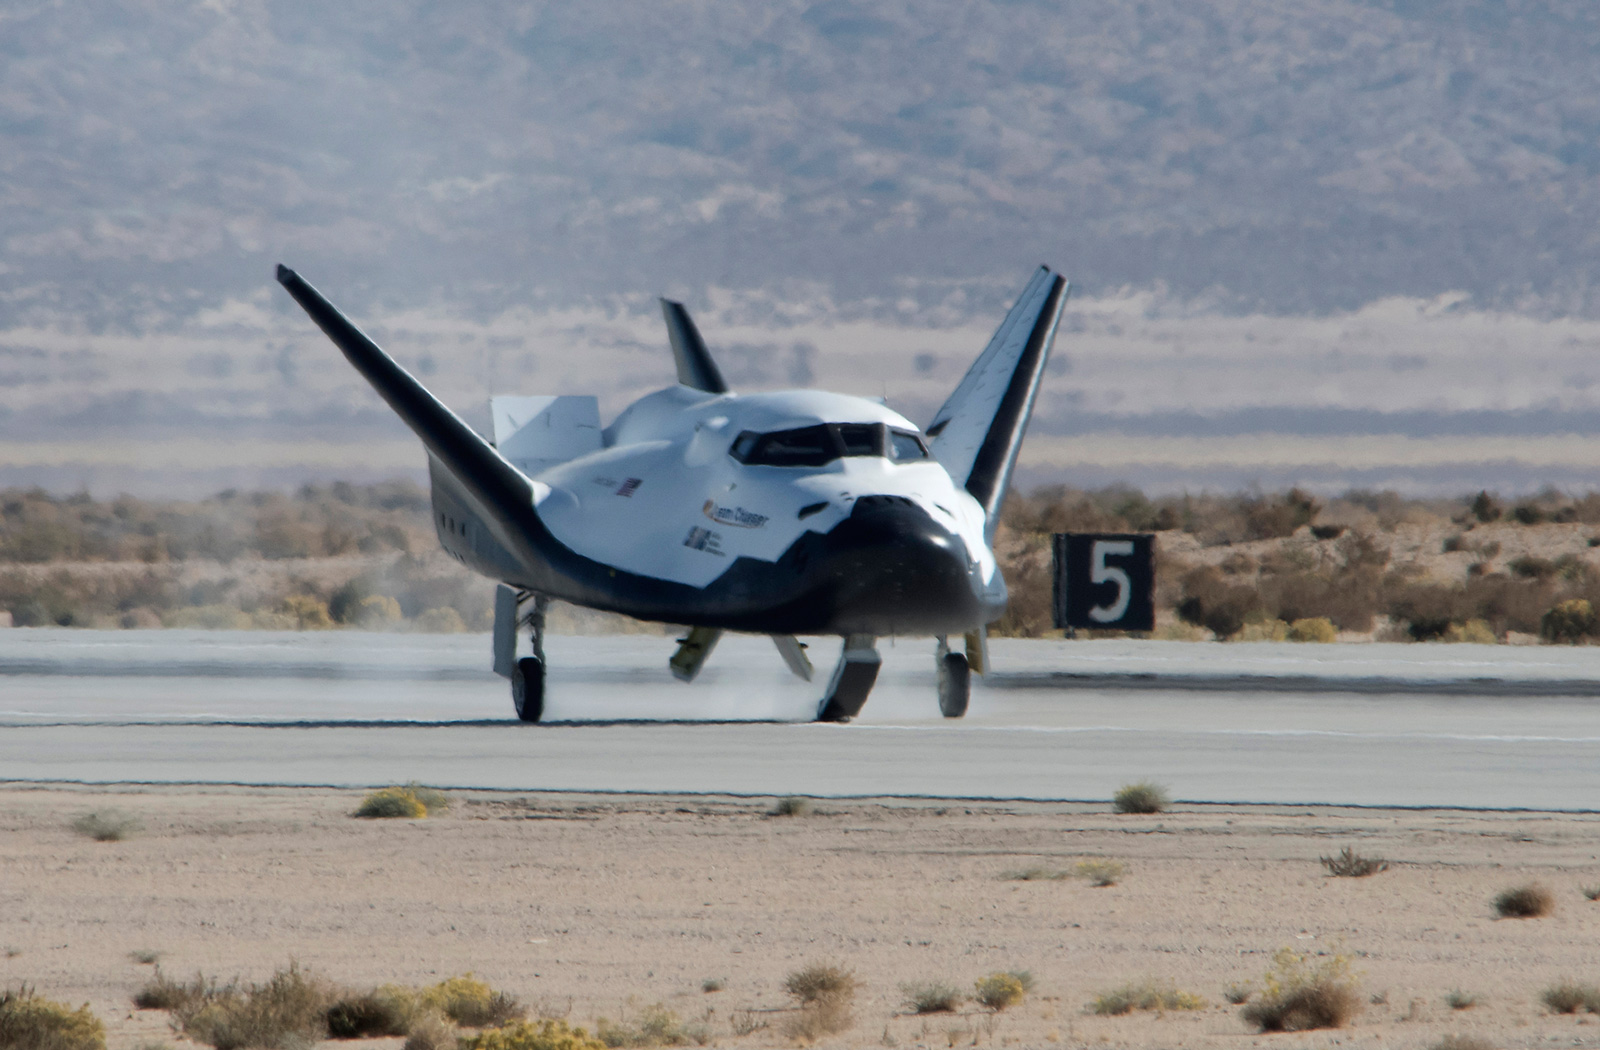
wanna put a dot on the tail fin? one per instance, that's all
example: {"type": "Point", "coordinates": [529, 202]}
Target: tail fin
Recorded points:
{"type": "Point", "coordinates": [978, 432]}
{"type": "Point", "coordinates": [695, 367]}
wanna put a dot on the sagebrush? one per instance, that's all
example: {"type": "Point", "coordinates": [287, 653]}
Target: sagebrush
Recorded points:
{"type": "Point", "coordinates": [1302, 992]}
{"type": "Point", "coordinates": [28, 1022]}
{"type": "Point", "coordinates": [1143, 797]}
{"type": "Point", "coordinates": [1145, 995]}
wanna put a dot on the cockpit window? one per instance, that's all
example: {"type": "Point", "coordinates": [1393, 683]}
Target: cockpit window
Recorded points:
{"type": "Point", "coordinates": [822, 444]}
{"type": "Point", "coordinates": [805, 447]}
{"type": "Point", "coordinates": [861, 439]}
{"type": "Point", "coordinates": [904, 446]}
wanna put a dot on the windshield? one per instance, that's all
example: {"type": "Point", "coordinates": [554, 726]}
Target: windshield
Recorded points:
{"type": "Point", "coordinates": [819, 445]}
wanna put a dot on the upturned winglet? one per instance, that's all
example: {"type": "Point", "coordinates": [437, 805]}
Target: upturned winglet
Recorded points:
{"type": "Point", "coordinates": [696, 369]}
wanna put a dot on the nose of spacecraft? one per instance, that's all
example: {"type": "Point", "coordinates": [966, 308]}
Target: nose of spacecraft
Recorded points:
{"type": "Point", "coordinates": [898, 571]}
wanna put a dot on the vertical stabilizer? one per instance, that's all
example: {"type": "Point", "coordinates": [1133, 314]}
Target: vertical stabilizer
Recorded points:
{"type": "Point", "coordinates": [978, 431]}
{"type": "Point", "coordinates": [695, 367]}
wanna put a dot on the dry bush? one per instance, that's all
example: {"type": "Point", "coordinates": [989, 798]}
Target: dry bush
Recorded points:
{"type": "Point", "coordinates": [792, 806]}
{"type": "Point", "coordinates": [381, 1011]}
{"type": "Point", "coordinates": [30, 1023]}
{"type": "Point", "coordinates": [1144, 797]}
{"type": "Point", "coordinates": [1569, 997]}
{"type": "Point", "coordinates": [290, 1005]}
{"type": "Point", "coordinates": [106, 825]}
{"type": "Point", "coordinates": [999, 991]}
{"type": "Point", "coordinates": [821, 981]}
{"type": "Point", "coordinates": [1211, 601]}
{"type": "Point", "coordinates": [930, 997]}
{"type": "Point", "coordinates": [1459, 1000]}
{"type": "Point", "coordinates": [392, 802]}
{"type": "Point", "coordinates": [746, 1022]}
{"type": "Point", "coordinates": [1100, 871]}
{"type": "Point", "coordinates": [655, 1026]}
{"type": "Point", "coordinates": [1352, 865]}
{"type": "Point", "coordinates": [1313, 629]}
{"type": "Point", "coordinates": [145, 956]}
{"type": "Point", "coordinates": [470, 1002]}
{"type": "Point", "coordinates": [430, 1031]}
{"type": "Point", "coordinates": [1524, 902]}
{"type": "Point", "coordinates": [163, 993]}
{"type": "Point", "coordinates": [713, 984]}
{"type": "Point", "coordinates": [532, 1035]}
{"type": "Point", "coordinates": [1298, 996]}
{"type": "Point", "coordinates": [1568, 622]}
{"type": "Point", "coordinates": [1146, 995]}
{"type": "Point", "coordinates": [1590, 892]}
{"type": "Point", "coordinates": [1238, 994]}
{"type": "Point", "coordinates": [1473, 632]}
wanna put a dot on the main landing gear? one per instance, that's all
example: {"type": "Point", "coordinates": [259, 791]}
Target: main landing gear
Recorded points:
{"type": "Point", "coordinates": [955, 681]}
{"type": "Point", "coordinates": [514, 610]}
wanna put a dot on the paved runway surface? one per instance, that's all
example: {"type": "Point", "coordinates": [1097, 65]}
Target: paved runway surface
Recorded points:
{"type": "Point", "coordinates": [1413, 725]}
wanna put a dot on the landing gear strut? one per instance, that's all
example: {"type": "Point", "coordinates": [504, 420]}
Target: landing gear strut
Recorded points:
{"type": "Point", "coordinates": [955, 681]}
{"type": "Point", "coordinates": [527, 673]}
{"type": "Point", "coordinates": [852, 680]}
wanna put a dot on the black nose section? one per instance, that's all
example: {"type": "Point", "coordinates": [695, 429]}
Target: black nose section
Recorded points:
{"type": "Point", "coordinates": [895, 570]}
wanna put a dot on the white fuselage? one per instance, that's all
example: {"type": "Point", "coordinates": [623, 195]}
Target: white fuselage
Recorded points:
{"type": "Point", "coordinates": [665, 497]}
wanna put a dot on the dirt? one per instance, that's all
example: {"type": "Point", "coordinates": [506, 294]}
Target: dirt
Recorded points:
{"type": "Point", "coordinates": [585, 906]}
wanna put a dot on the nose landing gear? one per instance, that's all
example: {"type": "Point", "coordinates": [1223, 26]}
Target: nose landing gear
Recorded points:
{"type": "Point", "coordinates": [852, 680]}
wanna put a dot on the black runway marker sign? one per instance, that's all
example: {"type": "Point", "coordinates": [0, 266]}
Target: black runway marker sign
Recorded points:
{"type": "Point", "coordinates": [1104, 581]}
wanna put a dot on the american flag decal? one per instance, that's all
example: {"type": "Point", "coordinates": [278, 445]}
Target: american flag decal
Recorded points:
{"type": "Point", "coordinates": [629, 487]}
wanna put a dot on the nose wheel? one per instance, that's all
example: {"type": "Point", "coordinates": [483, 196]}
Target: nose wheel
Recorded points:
{"type": "Point", "coordinates": [955, 681]}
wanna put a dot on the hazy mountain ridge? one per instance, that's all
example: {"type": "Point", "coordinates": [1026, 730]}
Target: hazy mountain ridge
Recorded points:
{"type": "Point", "coordinates": [156, 158]}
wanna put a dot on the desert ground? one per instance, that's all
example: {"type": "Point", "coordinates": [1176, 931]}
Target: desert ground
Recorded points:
{"type": "Point", "coordinates": [589, 906]}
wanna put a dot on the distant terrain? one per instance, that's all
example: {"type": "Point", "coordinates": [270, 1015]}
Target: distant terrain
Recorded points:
{"type": "Point", "coordinates": [1281, 566]}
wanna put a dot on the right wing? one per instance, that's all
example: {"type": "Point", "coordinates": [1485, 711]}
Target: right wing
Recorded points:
{"type": "Point", "coordinates": [977, 433]}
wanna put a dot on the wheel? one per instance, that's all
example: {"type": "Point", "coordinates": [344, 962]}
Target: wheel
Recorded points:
{"type": "Point", "coordinates": [955, 684]}
{"type": "Point", "coordinates": [527, 688]}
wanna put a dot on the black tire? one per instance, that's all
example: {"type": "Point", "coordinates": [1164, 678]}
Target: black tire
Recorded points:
{"type": "Point", "coordinates": [527, 689]}
{"type": "Point", "coordinates": [955, 685]}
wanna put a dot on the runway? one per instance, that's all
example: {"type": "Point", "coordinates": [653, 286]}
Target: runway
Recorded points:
{"type": "Point", "coordinates": [1404, 725]}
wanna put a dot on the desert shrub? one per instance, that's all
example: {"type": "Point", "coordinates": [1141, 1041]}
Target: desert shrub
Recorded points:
{"type": "Point", "coordinates": [930, 997]}
{"type": "Point", "coordinates": [145, 956]}
{"type": "Point", "coordinates": [1473, 632]}
{"type": "Point", "coordinates": [430, 1031]}
{"type": "Point", "coordinates": [1100, 871]}
{"type": "Point", "coordinates": [307, 612]}
{"type": "Point", "coordinates": [655, 1026]}
{"type": "Point", "coordinates": [1459, 1000]}
{"type": "Point", "coordinates": [1352, 865]}
{"type": "Point", "coordinates": [392, 802]}
{"type": "Point", "coordinates": [378, 1012]}
{"type": "Point", "coordinates": [1262, 629]}
{"type": "Point", "coordinates": [747, 1022]}
{"type": "Point", "coordinates": [713, 984]}
{"type": "Point", "coordinates": [821, 981]}
{"type": "Point", "coordinates": [163, 993]}
{"type": "Point", "coordinates": [470, 1002]}
{"type": "Point", "coordinates": [1313, 629]}
{"type": "Point", "coordinates": [1569, 998]}
{"type": "Point", "coordinates": [999, 991]}
{"type": "Point", "coordinates": [1144, 797]}
{"type": "Point", "coordinates": [1268, 518]}
{"type": "Point", "coordinates": [1145, 995]}
{"type": "Point", "coordinates": [1590, 892]}
{"type": "Point", "coordinates": [533, 1035]}
{"type": "Point", "coordinates": [289, 1005]}
{"type": "Point", "coordinates": [1298, 996]}
{"type": "Point", "coordinates": [1568, 622]}
{"type": "Point", "coordinates": [792, 806]}
{"type": "Point", "coordinates": [1210, 601]}
{"type": "Point", "coordinates": [106, 825]}
{"type": "Point", "coordinates": [1528, 514]}
{"type": "Point", "coordinates": [1524, 902]}
{"type": "Point", "coordinates": [30, 1023]}
{"type": "Point", "coordinates": [1486, 508]}
{"type": "Point", "coordinates": [1238, 994]}
{"type": "Point", "coordinates": [433, 800]}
